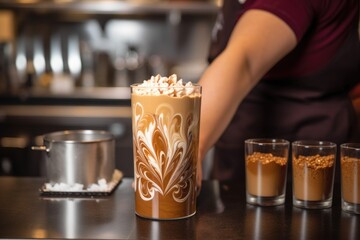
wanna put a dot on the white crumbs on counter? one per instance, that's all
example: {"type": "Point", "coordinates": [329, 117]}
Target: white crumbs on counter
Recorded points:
{"type": "Point", "coordinates": [63, 187]}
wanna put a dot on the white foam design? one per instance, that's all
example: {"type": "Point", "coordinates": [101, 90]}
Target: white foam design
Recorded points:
{"type": "Point", "coordinates": [173, 153]}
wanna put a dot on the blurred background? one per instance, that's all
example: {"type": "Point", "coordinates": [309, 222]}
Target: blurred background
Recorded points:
{"type": "Point", "coordinates": [68, 64]}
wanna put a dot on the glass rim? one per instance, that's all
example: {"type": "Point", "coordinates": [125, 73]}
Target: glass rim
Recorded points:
{"type": "Point", "coordinates": [313, 143]}
{"type": "Point", "coordinates": [138, 85]}
{"type": "Point", "coordinates": [267, 141]}
{"type": "Point", "coordinates": [78, 136]}
{"type": "Point", "coordinates": [354, 146]}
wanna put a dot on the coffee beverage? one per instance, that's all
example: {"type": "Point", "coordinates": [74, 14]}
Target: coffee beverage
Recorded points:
{"type": "Point", "coordinates": [313, 177]}
{"type": "Point", "coordinates": [350, 179]}
{"type": "Point", "coordinates": [265, 174]}
{"type": "Point", "coordinates": [166, 118]}
{"type": "Point", "coordinates": [266, 171]}
{"type": "Point", "coordinates": [313, 167]}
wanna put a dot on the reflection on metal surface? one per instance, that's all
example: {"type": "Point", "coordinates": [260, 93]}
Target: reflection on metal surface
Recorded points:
{"type": "Point", "coordinates": [350, 226]}
{"type": "Point", "coordinates": [56, 61]}
{"type": "Point", "coordinates": [306, 225]}
{"type": "Point", "coordinates": [21, 60]}
{"type": "Point", "coordinates": [39, 57]}
{"type": "Point", "coordinates": [74, 61]}
{"type": "Point", "coordinates": [154, 230]}
{"type": "Point", "coordinates": [72, 213]}
{"type": "Point", "coordinates": [303, 225]}
{"type": "Point", "coordinates": [257, 227]}
{"type": "Point", "coordinates": [70, 219]}
{"type": "Point", "coordinates": [259, 222]}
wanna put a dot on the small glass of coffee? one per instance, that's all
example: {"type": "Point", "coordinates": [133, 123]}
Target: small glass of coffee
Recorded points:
{"type": "Point", "coordinates": [350, 177]}
{"type": "Point", "coordinates": [313, 165]}
{"type": "Point", "coordinates": [266, 171]}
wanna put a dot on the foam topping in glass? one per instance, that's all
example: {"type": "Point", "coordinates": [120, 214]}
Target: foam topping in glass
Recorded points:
{"type": "Point", "coordinates": [170, 86]}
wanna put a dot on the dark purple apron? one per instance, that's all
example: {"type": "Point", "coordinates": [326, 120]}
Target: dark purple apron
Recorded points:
{"type": "Point", "coordinates": [313, 107]}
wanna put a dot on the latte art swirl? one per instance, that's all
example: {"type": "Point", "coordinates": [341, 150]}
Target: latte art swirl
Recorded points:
{"type": "Point", "coordinates": [164, 153]}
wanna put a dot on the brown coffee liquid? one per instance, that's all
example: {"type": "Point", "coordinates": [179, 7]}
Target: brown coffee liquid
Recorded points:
{"type": "Point", "coordinates": [265, 174]}
{"type": "Point", "coordinates": [165, 137]}
{"type": "Point", "coordinates": [313, 177]}
{"type": "Point", "coordinates": [350, 179]}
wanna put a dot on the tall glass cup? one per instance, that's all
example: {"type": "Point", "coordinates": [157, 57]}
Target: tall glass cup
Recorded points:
{"type": "Point", "coordinates": [350, 177]}
{"type": "Point", "coordinates": [313, 165]}
{"type": "Point", "coordinates": [165, 140]}
{"type": "Point", "coordinates": [266, 162]}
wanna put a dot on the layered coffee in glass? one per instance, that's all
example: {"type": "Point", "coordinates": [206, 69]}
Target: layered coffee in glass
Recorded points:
{"type": "Point", "coordinates": [266, 171]}
{"type": "Point", "coordinates": [350, 177]}
{"type": "Point", "coordinates": [165, 121]}
{"type": "Point", "coordinates": [313, 165]}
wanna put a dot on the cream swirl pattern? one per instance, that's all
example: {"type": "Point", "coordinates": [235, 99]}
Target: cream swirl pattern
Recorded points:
{"type": "Point", "coordinates": [165, 154]}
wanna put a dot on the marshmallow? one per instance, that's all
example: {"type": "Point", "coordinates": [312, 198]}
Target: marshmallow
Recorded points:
{"type": "Point", "coordinates": [170, 86]}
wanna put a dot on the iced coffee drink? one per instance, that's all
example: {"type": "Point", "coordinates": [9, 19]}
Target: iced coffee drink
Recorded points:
{"type": "Point", "coordinates": [350, 177]}
{"type": "Point", "coordinates": [165, 119]}
{"type": "Point", "coordinates": [266, 171]}
{"type": "Point", "coordinates": [313, 167]}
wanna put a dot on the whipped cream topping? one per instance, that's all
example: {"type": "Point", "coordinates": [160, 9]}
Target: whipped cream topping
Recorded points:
{"type": "Point", "coordinates": [171, 86]}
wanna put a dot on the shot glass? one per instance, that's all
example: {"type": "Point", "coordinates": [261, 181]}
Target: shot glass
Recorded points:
{"type": "Point", "coordinates": [266, 163]}
{"type": "Point", "coordinates": [350, 177]}
{"type": "Point", "coordinates": [313, 165]}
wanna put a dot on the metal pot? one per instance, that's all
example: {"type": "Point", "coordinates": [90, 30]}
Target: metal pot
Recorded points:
{"type": "Point", "coordinates": [80, 156]}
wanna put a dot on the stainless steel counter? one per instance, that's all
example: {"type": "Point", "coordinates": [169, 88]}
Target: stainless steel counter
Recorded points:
{"type": "Point", "coordinates": [222, 213]}
{"type": "Point", "coordinates": [25, 214]}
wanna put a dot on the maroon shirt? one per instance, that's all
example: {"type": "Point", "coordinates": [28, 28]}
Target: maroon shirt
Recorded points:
{"type": "Point", "coordinates": [305, 95]}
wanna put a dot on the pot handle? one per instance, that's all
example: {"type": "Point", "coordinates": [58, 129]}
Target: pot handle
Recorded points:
{"type": "Point", "coordinates": [40, 148]}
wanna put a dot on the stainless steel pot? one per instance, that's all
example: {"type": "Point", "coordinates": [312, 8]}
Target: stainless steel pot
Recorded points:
{"type": "Point", "coordinates": [80, 156]}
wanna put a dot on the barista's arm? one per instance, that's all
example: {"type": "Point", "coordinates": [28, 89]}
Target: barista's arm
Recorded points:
{"type": "Point", "coordinates": [259, 40]}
